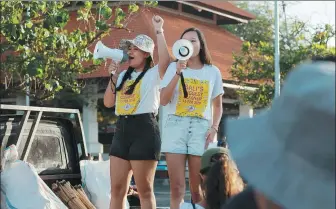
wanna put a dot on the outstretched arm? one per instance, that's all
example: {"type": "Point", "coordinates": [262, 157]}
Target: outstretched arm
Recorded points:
{"type": "Point", "coordinates": [164, 57]}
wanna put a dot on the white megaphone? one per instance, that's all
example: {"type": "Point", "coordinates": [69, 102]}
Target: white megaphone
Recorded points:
{"type": "Point", "coordinates": [102, 51]}
{"type": "Point", "coordinates": [183, 49]}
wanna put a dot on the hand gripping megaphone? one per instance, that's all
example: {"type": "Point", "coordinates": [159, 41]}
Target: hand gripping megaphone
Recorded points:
{"type": "Point", "coordinates": [102, 51]}
{"type": "Point", "coordinates": [183, 49]}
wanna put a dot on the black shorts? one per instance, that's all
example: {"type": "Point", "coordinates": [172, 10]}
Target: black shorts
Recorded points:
{"type": "Point", "coordinates": [137, 137]}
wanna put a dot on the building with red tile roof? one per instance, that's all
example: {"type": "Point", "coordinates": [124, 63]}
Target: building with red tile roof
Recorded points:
{"type": "Point", "coordinates": [208, 16]}
{"type": "Point", "coordinates": [180, 15]}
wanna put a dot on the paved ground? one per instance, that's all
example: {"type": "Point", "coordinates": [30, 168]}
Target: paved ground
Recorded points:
{"type": "Point", "coordinates": [162, 193]}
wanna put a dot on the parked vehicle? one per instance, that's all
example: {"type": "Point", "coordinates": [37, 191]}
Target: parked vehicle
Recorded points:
{"type": "Point", "coordinates": [47, 138]}
{"type": "Point", "coordinates": [52, 140]}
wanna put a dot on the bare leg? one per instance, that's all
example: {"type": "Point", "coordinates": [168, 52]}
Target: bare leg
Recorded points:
{"type": "Point", "coordinates": [144, 172]}
{"type": "Point", "coordinates": [194, 165]}
{"type": "Point", "coordinates": [176, 164]}
{"type": "Point", "coordinates": [120, 174]}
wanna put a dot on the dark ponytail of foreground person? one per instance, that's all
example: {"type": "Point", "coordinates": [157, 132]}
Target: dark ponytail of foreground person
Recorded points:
{"type": "Point", "coordinates": [222, 181]}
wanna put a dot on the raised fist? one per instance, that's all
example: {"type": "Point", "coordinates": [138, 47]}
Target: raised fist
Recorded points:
{"type": "Point", "coordinates": [157, 22]}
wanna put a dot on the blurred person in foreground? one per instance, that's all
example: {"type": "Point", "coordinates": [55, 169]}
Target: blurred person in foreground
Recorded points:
{"type": "Point", "coordinates": [220, 179]}
{"type": "Point", "coordinates": [287, 153]}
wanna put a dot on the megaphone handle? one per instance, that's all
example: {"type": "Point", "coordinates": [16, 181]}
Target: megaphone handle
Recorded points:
{"type": "Point", "coordinates": [114, 84]}
{"type": "Point", "coordinates": [115, 63]}
{"type": "Point", "coordinates": [184, 88]}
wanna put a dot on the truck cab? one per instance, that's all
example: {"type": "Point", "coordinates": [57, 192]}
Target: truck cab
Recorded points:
{"type": "Point", "coordinates": [51, 139]}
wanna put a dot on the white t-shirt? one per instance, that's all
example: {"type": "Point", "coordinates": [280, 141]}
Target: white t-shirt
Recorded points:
{"type": "Point", "coordinates": [145, 97]}
{"type": "Point", "coordinates": [187, 205]}
{"type": "Point", "coordinates": [202, 85]}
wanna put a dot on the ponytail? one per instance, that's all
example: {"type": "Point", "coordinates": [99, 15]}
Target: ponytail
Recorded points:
{"type": "Point", "coordinates": [125, 78]}
{"type": "Point", "coordinates": [128, 74]}
{"type": "Point", "coordinates": [222, 181]}
{"type": "Point", "coordinates": [215, 188]}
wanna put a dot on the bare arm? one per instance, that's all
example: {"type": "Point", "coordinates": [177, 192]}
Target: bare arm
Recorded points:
{"type": "Point", "coordinates": [217, 111]}
{"type": "Point", "coordinates": [109, 96]}
{"type": "Point", "coordinates": [217, 95]}
{"type": "Point", "coordinates": [164, 57]}
{"type": "Point", "coordinates": [167, 92]}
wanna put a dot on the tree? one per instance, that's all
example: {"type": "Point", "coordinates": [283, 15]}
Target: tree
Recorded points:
{"type": "Point", "coordinates": [38, 51]}
{"type": "Point", "coordinates": [255, 63]}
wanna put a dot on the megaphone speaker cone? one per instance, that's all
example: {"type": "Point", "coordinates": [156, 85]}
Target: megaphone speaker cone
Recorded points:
{"type": "Point", "coordinates": [96, 50]}
{"type": "Point", "coordinates": [183, 49]}
{"type": "Point", "coordinates": [102, 51]}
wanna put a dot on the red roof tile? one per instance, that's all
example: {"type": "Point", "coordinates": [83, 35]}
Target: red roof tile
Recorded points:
{"type": "Point", "coordinates": [220, 42]}
{"type": "Point", "coordinates": [226, 7]}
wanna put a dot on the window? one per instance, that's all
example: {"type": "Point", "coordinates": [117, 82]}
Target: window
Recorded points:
{"type": "Point", "coordinates": [106, 118]}
{"type": "Point", "coordinates": [194, 11]}
{"type": "Point", "coordinates": [169, 4]}
{"type": "Point", "coordinates": [47, 153]}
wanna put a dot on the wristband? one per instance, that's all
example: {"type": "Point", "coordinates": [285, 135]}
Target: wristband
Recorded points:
{"type": "Point", "coordinates": [179, 74]}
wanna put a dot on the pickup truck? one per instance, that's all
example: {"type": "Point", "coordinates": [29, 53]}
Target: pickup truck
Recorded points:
{"type": "Point", "coordinates": [48, 138]}
{"type": "Point", "coordinates": [53, 141]}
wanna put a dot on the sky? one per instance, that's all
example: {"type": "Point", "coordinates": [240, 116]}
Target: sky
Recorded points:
{"type": "Point", "coordinates": [317, 12]}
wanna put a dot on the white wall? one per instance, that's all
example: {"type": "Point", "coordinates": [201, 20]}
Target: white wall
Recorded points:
{"type": "Point", "coordinates": [90, 123]}
{"type": "Point", "coordinates": [245, 111]}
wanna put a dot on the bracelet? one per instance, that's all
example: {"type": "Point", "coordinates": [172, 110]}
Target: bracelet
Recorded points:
{"type": "Point", "coordinates": [115, 74]}
{"type": "Point", "coordinates": [179, 74]}
{"type": "Point", "coordinates": [159, 32]}
{"type": "Point", "coordinates": [214, 129]}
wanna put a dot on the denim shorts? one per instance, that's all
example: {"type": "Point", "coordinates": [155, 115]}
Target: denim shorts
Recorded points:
{"type": "Point", "coordinates": [184, 135]}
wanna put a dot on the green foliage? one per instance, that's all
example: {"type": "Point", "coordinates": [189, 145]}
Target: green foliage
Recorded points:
{"type": "Point", "coordinates": [255, 63]}
{"type": "Point", "coordinates": [36, 46]}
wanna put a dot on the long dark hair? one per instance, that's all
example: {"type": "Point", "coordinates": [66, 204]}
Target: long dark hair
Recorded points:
{"type": "Point", "coordinates": [222, 181]}
{"type": "Point", "coordinates": [130, 70]}
{"type": "Point", "coordinates": [204, 54]}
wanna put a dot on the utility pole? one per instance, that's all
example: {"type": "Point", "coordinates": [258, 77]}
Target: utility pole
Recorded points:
{"type": "Point", "coordinates": [276, 50]}
{"type": "Point", "coordinates": [27, 76]}
{"type": "Point", "coordinates": [285, 15]}
{"type": "Point", "coordinates": [27, 91]}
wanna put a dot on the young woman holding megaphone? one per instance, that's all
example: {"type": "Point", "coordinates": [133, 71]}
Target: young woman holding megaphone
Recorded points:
{"type": "Point", "coordinates": [135, 94]}
{"type": "Point", "coordinates": [192, 92]}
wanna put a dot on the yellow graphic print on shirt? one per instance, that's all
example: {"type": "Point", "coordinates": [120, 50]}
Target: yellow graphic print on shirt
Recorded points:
{"type": "Point", "coordinates": [196, 102]}
{"type": "Point", "coordinates": [127, 103]}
